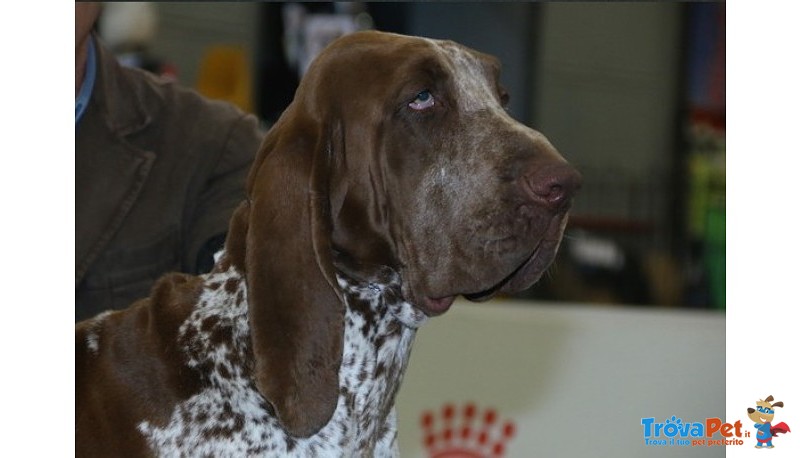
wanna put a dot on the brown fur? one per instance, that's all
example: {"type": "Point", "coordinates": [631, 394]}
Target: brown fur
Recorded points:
{"type": "Point", "coordinates": [150, 381]}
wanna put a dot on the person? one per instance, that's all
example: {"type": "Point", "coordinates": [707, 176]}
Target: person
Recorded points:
{"type": "Point", "coordinates": [158, 172]}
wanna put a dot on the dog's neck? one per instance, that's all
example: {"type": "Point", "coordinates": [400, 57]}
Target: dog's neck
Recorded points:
{"type": "Point", "coordinates": [382, 294]}
{"type": "Point", "coordinates": [379, 332]}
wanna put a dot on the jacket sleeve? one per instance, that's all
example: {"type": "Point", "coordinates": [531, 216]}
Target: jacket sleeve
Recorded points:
{"type": "Point", "coordinates": [221, 193]}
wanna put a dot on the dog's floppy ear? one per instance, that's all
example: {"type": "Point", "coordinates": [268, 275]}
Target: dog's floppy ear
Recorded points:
{"type": "Point", "coordinates": [281, 239]}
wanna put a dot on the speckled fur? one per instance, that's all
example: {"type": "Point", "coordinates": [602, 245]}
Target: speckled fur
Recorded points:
{"type": "Point", "coordinates": [229, 417]}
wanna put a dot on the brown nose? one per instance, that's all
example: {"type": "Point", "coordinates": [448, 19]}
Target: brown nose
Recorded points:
{"type": "Point", "coordinates": [552, 185]}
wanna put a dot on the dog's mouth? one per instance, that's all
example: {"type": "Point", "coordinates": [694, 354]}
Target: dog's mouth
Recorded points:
{"type": "Point", "coordinates": [438, 306]}
{"type": "Point", "coordinates": [507, 282]}
{"type": "Point", "coordinates": [521, 277]}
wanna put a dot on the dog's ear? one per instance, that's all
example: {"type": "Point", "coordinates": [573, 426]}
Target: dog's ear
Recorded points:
{"type": "Point", "coordinates": [281, 239]}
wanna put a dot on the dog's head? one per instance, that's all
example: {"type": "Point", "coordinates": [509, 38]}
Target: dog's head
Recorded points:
{"type": "Point", "coordinates": [396, 153]}
{"type": "Point", "coordinates": [764, 411]}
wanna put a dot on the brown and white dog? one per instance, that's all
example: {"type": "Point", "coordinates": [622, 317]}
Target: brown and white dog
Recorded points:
{"type": "Point", "coordinates": [394, 182]}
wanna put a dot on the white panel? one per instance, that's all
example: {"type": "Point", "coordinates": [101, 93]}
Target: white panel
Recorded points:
{"type": "Point", "coordinates": [575, 380]}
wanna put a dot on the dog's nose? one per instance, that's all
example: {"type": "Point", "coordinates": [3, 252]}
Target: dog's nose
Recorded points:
{"type": "Point", "coordinates": [552, 185]}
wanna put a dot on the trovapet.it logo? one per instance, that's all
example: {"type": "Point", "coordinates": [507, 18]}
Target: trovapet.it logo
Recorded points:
{"type": "Point", "coordinates": [762, 416]}
{"type": "Point", "coordinates": [675, 432]}
{"type": "Point", "coordinates": [712, 432]}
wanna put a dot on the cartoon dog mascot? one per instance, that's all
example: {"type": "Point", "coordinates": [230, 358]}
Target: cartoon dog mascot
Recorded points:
{"type": "Point", "coordinates": [762, 415]}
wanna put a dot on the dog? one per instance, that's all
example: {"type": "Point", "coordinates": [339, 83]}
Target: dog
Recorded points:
{"type": "Point", "coordinates": [394, 182]}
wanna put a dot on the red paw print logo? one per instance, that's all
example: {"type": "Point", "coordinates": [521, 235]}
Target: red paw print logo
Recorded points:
{"type": "Point", "coordinates": [465, 432]}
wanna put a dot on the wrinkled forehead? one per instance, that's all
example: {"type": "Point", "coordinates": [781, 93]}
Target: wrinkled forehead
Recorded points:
{"type": "Point", "coordinates": [474, 75]}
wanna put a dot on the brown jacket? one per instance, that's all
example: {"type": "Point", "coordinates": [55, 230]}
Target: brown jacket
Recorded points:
{"type": "Point", "coordinates": [158, 172]}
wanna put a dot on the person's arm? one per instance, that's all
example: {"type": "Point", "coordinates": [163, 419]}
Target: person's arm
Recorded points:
{"type": "Point", "coordinates": [221, 194]}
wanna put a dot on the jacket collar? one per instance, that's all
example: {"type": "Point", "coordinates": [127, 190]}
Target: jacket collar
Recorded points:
{"type": "Point", "coordinates": [118, 108]}
{"type": "Point", "coordinates": [124, 112]}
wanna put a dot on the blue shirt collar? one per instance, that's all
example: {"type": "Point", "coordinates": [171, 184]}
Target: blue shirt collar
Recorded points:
{"type": "Point", "coordinates": [82, 100]}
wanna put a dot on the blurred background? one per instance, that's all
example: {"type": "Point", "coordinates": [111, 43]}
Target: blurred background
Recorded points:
{"type": "Point", "coordinates": [631, 93]}
{"type": "Point", "coordinates": [629, 323]}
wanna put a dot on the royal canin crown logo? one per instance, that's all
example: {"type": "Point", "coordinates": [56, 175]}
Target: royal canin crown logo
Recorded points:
{"type": "Point", "coordinates": [465, 432]}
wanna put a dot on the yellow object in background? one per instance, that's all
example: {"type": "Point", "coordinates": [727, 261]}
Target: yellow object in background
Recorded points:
{"type": "Point", "coordinates": [224, 74]}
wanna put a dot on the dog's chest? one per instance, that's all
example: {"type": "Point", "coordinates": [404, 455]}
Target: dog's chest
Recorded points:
{"type": "Point", "coordinates": [229, 417]}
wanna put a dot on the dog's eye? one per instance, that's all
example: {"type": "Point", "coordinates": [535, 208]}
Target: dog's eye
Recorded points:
{"type": "Point", "coordinates": [424, 100]}
{"type": "Point", "coordinates": [505, 98]}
